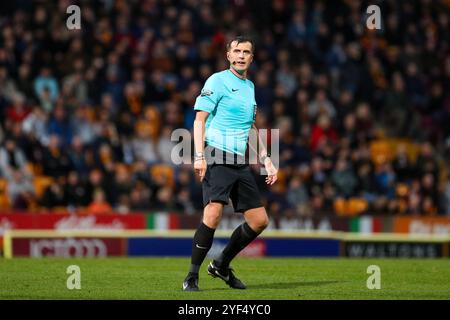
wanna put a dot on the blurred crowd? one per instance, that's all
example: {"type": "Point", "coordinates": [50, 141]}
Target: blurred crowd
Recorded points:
{"type": "Point", "coordinates": [87, 115]}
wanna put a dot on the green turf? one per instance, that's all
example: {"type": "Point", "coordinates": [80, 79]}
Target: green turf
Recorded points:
{"type": "Point", "coordinates": [161, 278]}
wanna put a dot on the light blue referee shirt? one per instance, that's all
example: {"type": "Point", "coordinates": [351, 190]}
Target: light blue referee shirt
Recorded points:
{"type": "Point", "coordinates": [230, 102]}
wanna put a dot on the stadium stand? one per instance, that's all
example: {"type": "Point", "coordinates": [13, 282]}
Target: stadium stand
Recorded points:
{"type": "Point", "coordinates": [363, 114]}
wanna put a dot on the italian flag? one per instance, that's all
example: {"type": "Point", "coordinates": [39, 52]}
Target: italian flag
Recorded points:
{"type": "Point", "coordinates": [367, 224]}
{"type": "Point", "coordinates": [162, 221]}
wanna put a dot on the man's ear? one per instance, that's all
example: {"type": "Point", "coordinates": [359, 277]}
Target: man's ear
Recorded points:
{"type": "Point", "coordinates": [228, 55]}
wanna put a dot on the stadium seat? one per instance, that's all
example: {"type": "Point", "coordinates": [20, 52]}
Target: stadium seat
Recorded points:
{"type": "Point", "coordinates": [30, 167]}
{"type": "Point", "coordinates": [149, 125]}
{"type": "Point", "coordinates": [356, 206]}
{"type": "Point", "coordinates": [351, 207]}
{"type": "Point", "coordinates": [3, 185]}
{"type": "Point", "coordinates": [4, 201]}
{"type": "Point", "coordinates": [380, 151]}
{"type": "Point", "coordinates": [412, 149]}
{"type": "Point", "coordinates": [34, 168]}
{"type": "Point", "coordinates": [163, 171]}
{"type": "Point", "coordinates": [40, 183]}
{"type": "Point", "coordinates": [340, 206]}
{"type": "Point", "coordinates": [385, 149]}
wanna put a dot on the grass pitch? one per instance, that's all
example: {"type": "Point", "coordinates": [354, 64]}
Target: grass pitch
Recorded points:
{"type": "Point", "coordinates": [279, 278]}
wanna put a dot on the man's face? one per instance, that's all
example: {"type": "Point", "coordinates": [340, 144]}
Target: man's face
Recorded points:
{"type": "Point", "coordinates": [240, 56]}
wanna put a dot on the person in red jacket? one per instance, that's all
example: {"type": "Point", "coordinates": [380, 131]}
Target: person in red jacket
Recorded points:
{"type": "Point", "coordinates": [18, 110]}
{"type": "Point", "coordinates": [322, 131]}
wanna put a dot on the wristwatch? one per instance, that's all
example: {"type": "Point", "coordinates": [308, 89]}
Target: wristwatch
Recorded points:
{"type": "Point", "coordinates": [199, 155]}
{"type": "Point", "coordinates": [263, 158]}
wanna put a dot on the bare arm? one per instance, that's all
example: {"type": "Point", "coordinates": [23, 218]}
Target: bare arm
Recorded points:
{"type": "Point", "coordinates": [199, 143]}
{"type": "Point", "coordinates": [262, 148]}
{"type": "Point", "coordinates": [272, 172]}
{"type": "Point", "coordinates": [199, 131]}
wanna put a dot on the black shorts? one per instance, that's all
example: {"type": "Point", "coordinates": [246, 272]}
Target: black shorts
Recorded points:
{"type": "Point", "coordinates": [227, 181]}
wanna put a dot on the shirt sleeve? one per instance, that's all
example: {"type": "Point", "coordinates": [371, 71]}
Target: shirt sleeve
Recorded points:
{"type": "Point", "coordinates": [210, 95]}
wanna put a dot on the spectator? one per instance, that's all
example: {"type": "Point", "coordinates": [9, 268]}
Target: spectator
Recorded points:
{"type": "Point", "coordinates": [447, 197]}
{"type": "Point", "coordinates": [140, 198]}
{"type": "Point", "coordinates": [321, 106]}
{"type": "Point", "coordinates": [12, 158]}
{"type": "Point", "coordinates": [18, 111]}
{"type": "Point", "coordinates": [83, 125]}
{"type": "Point", "coordinates": [366, 184]}
{"type": "Point", "coordinates": [25, 83]}
{"type": "Point", "coordinates": [164, 200]}
{"type": "Point", "coordinates": [297, 195]}
{"type": "Point", "coordinates": [144, 149]}
{"type": "Point", "coordinates": [77, 156]}
{"type": "Point", "coordinates": [426, 162]}
{"type": "Point", "coordinates": [344, 179]}
{"type": "Point", "coordinates": [165, 145]}
{"type": "Point", "coordinates": [20, 190]}
{"type": "Point", "coordinates": [396, 107]}
{"type": "Point", "coordinates": [60, 125]}
{"type": "Point", "coordinates": [385, 180]}
{"type": "Point", "coordinates": [99, 204]}
{"type": "Point", "coordinates": [123, 205]}
{"type": "Point", "coordinates": [113, 96]}
{"type": "Point", "coordinates": [75, 191]}
{"type": "Point", "coordinates": [323, 132]}
{"type": "Point", "coordinates": [289, 221]}
{"type": "Point", "coordinates": [122, 183]}
{"type": "Point", "coordinates": [56, 162]}
{"type": "Point", "coordinates": [46, 82]}
{"type": "Point", "coordinates": [35, 124]}
{"type": "Point", "coordinates": [318, 175]}
{"type": "Point", "coordinates": [402, 165]}
{"type": "Point", "coordinates": [54, 196]}
{"type": "Point", "coordinates": [184, 203]}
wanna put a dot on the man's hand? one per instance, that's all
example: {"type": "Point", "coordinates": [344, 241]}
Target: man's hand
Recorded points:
{"type": "Point", "coordinates": [200, 168]}
{"type": "Point", "coordinates": [272, 172]}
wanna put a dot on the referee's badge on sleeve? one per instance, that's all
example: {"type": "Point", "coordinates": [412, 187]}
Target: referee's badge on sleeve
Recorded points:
{"type": "Point", "coordinates": [206, 92]}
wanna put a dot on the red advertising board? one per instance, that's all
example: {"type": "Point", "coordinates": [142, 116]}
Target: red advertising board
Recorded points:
{"type": "Point", "coordinates": [15, 221]}
{"type": "Point", "coordinates": [71, 222]}
{"type": "Point", "coordinates": [68, 247]}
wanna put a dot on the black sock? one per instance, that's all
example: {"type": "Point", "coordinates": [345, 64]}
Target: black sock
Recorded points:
{"type": "Point", "coordinates": [201, 244]}
{"type": "Point", "coordinates": [240, 238]}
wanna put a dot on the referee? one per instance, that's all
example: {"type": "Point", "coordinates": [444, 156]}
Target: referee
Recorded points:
{"type": "Point", "coordinates": [225, 112]}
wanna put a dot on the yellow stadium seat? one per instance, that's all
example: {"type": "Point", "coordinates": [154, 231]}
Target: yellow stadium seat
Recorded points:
{"type": "Point", "coordinates": [356, 206]}
{"type": "Point", "coordinates": [40, 183]}
{"type": "Point", "coordinates": [3, 185]}
{"type": "Point", "coordinates": [163, 171]}
{"type": "Point", "coordinates": [4, 201]}
{"type": "Point", "coordinates": [34, 168]}
{"type": "Point", "coordinates": [340, 206]}
{"type": "Point", "coordinates": [380, 151]}
{"type": "Point", "coordinates": [383, 150]}
{"type": "Point", "coordinates": [350, 207]}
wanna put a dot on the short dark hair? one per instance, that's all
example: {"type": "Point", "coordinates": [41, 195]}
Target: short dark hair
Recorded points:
{"type": "Point", "coordinates": [240, 39]}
